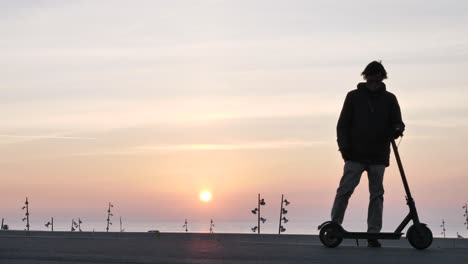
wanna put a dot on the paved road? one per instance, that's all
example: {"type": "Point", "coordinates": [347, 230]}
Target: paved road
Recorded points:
{"type": "Point", "coordinates": [18, 248]}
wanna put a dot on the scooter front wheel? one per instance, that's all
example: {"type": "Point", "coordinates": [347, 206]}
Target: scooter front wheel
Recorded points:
{"type": "Point", "coordinates": [419, 236]}
{"type": "Point", "coordinates": [331, 235]}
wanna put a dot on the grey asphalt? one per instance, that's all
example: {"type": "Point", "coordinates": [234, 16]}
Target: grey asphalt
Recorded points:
{"type": "Point", "coordinates": [21, 247]}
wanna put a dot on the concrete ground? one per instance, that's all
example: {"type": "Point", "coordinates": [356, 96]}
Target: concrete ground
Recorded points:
{"type": "Point", "coordinates": [39, 247]}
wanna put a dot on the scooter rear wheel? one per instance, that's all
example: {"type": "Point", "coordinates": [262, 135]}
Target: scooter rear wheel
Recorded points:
{"type": "Point", "coordinates": [419, 236]}
{"type": "Point", "coordinates": [331, 235]}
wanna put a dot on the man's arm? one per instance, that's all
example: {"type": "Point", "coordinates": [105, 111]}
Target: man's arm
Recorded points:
{"type": "Point", "coordinates": [395, 118]}
{"type": "Point", "coordinates": [343, 126]}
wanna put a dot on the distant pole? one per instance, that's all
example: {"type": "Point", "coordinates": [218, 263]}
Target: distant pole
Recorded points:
{"type": "Point", "coordinates": [1, 228]}
{"type": "Point", "coordinates": [121, 229]}
{"type": "Point", "coordinates": [443, 228]}
{"type": "Point", "coordinates": [27, 213]}
{"type": "Point", "coordinates": [109, 214]}
{"type": "Point", "coordinates": [26, 206]}
{"type": "Point", "coordinates": [256, 210]}
{"type": "Point", "coordinates": [211, 225]}
{"type": "Point", "coordinates": [51, 224]}
{"type": "Point", "coordinates": [281, 214]}
{"type": "Point", "coordinates": [466, 215]}
{"type": "Point", "coordinates": [258, 230]}
{"type": "Point", "coordinates": [283, 211]}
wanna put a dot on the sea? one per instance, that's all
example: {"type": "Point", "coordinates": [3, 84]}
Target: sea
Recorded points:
{"type": "Point", "coordinates": [302, 227]}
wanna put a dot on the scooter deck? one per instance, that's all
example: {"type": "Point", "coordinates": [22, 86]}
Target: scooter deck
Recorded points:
{"type": "Point", "coordinates": [365, 235]}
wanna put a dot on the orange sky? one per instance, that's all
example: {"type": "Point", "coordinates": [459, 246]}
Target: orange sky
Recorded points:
{"type": "Point", "coordinates": [152, 103]}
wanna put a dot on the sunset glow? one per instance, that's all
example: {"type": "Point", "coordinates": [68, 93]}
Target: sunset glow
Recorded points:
{"type": "Point", "coordinates": [205, 196]}
{"type": "Point", "coordinates": [156, 106]}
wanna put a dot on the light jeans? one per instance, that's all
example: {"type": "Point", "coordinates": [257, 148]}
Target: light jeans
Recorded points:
{"type": "Point", "coordinates": [351, 177]}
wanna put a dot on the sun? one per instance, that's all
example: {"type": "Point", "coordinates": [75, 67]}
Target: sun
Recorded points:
{"type": "Point", "coordinates": [205, 196]}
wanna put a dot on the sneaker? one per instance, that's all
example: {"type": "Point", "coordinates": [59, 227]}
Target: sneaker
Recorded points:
{"type": "Point", "coordinates": [373, 243]}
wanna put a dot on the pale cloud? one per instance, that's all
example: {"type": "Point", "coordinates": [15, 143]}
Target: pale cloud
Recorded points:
{"type": "Point", "coordinates": [87, 116]}
{"type": "Point", "coordinates": [167, 148]}
{"type": "Point", "coordinates": [16, 138]}
{"type": "Point", "coordinates": [235, 146]}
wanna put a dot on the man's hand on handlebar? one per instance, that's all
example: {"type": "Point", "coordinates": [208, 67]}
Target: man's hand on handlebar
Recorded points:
{"type": "Point", "coordinates": [398, 131]}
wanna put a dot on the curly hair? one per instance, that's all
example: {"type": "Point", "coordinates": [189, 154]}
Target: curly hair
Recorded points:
{"type": "Point", "coordinates": [374, 67]}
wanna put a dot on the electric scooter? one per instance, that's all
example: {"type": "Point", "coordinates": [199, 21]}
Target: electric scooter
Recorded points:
{"type": "Point", "coordinates": [418, 235]}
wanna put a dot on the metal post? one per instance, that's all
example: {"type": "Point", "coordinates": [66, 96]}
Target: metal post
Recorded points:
{"type": "Point", "coordinates": [27, 214]}
{"type": "Point", "coordinates": [281, 214]}
{"type": "Point", "coordinates": [443, 228]}
{"type": "Point", "coordinates": [109, 214]}
{"type": "Point", "coordinates": [466, 215]}
{"type": "Point", "coordinates": [211, 225]}
{"type": "Point", "coordinates": [2, 225]}
{"type": "Point", "coordinates": [52, 223]}
{"type": "Point", "coordinates": [258, 230]}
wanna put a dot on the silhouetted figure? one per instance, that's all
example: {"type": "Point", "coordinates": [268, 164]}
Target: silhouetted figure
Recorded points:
{"type": "Point", "coordinates": [369, 118]}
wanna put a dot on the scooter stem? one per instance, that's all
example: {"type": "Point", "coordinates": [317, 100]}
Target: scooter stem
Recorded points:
{"type": "Point", "coordinates": [413, 214]}
{"type": "Point", "coordinates": [402, 171]}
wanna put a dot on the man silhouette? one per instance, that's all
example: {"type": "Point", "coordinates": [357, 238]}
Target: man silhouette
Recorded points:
{"type": "Point", "coordinates": [369, 118]}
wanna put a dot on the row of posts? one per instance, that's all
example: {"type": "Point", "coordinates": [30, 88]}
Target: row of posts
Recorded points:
{"type": "Point", "coordinates": [185, 226]}
{"type": "Point", "coordinates": [74, 225]}
{"type": "Point", "coordinates": [261, 220]}
{"type": "Point", "coordinates": [466, 222]}
{"type": "Point", "coordinates": [256, 229]}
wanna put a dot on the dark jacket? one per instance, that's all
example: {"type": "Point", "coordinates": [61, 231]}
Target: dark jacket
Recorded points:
{"type": "Point", "coordinates": [367, 123]}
